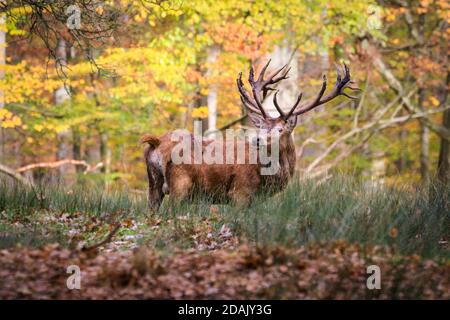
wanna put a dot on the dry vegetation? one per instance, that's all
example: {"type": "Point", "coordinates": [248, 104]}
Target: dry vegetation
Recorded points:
{"type": "Point", "coordinates": [320, 271]}
{"type": "Point", "coordinates": [315, 241]}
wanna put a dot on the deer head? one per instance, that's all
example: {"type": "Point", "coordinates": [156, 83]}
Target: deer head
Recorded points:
{"type": "Point", "coordinates": [285, 122]}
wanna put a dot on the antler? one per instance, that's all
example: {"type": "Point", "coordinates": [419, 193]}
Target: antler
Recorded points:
{"type": "Point", "coordinates": [281, 112]}
{"type": "Point", "coordinates": [338, 89]}
{"type": "Point", "coordinates": [260, 87]}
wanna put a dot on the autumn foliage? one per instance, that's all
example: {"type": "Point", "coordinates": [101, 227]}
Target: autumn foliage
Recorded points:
{"type": "Point", "coordinates": [370, 184]}
{"type": "Point", "coordinates": [321, 271]}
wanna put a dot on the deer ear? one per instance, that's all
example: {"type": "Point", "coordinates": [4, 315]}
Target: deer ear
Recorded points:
{"type": "Point", "coordinates": [292, 122]}
{"type": "Point", "coordinates": [257, 120]}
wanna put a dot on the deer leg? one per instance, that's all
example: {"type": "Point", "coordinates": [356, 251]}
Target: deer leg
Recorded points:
{"type": "Point", "coordinates": [180, 187]}
{"type": "Point", "coordinates": [155, 188]}
{"type": "Point", "coordinates": [241, 198]}
{"type": "Point", "coordinates": [243, 189]}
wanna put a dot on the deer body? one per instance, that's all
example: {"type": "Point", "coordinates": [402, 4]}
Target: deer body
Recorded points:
{"type": "Point", "coordinates": [236, 182]}
{"type": "Point", "coordinates": [219, 183]}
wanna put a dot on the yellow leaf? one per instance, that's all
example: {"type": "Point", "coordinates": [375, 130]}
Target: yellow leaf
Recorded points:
{"type": "Point", "coordinates": [201, 112]}
{"type": "Point", "coordinates": [3, 113]}
{"type": "Point", "coordinates": [99, 10]}
{"type": "Point", "coordinates": [16, 121]}
{"type": "Point", "coordinates": [7, 124]}
{"type": "Point", "coordinates": [434, 101]}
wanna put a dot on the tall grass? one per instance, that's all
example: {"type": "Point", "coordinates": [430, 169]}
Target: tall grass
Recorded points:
{"type": "Point", "coordinates": [409, 219]}
{"type": "Point", "coordinates": [93, 201]}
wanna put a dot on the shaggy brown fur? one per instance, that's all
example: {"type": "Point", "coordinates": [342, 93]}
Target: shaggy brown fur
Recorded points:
{"type": "Point", "coordinates": [221, 183]}
{"type": "Point", "coordinates": [152, 141]}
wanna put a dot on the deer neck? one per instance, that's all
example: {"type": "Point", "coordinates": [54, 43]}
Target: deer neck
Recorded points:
{"type": "Point", "coordinates": [286, 165]}
{"type": "Point", "coordinates": [287, 156]}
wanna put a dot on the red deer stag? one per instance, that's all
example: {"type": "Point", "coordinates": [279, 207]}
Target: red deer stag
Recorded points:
{"type": "Point", "coordinates": [237, 182]}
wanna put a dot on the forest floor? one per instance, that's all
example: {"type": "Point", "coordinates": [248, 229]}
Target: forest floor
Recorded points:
{"type": "Point", "coordinates": [312, 241]}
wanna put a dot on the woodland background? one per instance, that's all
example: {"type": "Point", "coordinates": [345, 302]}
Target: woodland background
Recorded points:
{"type": "Point", "coordinates": [372, 172]}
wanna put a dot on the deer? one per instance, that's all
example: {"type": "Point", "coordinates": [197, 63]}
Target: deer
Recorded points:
{"type": "Point", "coordinates": [238, 183]}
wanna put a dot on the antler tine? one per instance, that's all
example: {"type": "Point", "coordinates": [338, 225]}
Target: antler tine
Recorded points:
{"type": "Point", "coordinates": [263, 71]}
{"type": "Point", "coordinates": [250, 108]}
{"type": "Point", "coordinates": [263, 85]}
{"type": "Point", "coordinates": [271, 79]}
{"type": "Point", "coordinates": [275, 102]}
{"type": "Point", "coordinates": [338, 89]}
{"type": "Point", "coordinates": [346, 82]}
{"type": "Point", "coordinates": [299, 98]}
{"type": "Point", "coordinates": [251, 75]}
{"type": "Point", "coordinates": [260, 87]}
{"type": "Point", "coordinates": [317, 99]}
{"type": "Point", "coordinates": [242, 90]}
{"type": "Point", "coordinates": [353, 88]}
{"type": "Point", "coordinates": [258, 102]}
{"type": "Point", "coordinates": [246, 100]}
{"type": "Point", "coordinates": [322, 89]}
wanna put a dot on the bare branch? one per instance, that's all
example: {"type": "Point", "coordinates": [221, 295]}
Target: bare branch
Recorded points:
{"type": "Point", "coordinates": [355, 131]}
{"type": "Point", "coordinates": [397, 87]}
{"type": "Point", "coordinates": [55, 164]}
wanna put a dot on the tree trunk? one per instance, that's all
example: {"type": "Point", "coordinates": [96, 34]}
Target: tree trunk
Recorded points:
{"type": "Point", "coordinates": [65, 148]}
{"type": "Point", "coordinates": [77, 147]}
{"type": "Point", "coordinates": [2, 75]}
{"type": "Point", "coordinates": [105, 153]}
{"type": "Point", "coordinates": [402, 156]}
{"type": "Point", "coordinates": [444, 153]}
{"type": "Point", "coordinates": [199, 125]}
{"type": "Point", "coordinates": [76, 134]}
{"type": "Point", "coordinates": [211, 98]}
{"type": "Point", "coordinates": [424, 143]}
{"type": "Point", "coordinates": [443, 170]}
{"type": "Point", "coordinates": [424, 153]}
